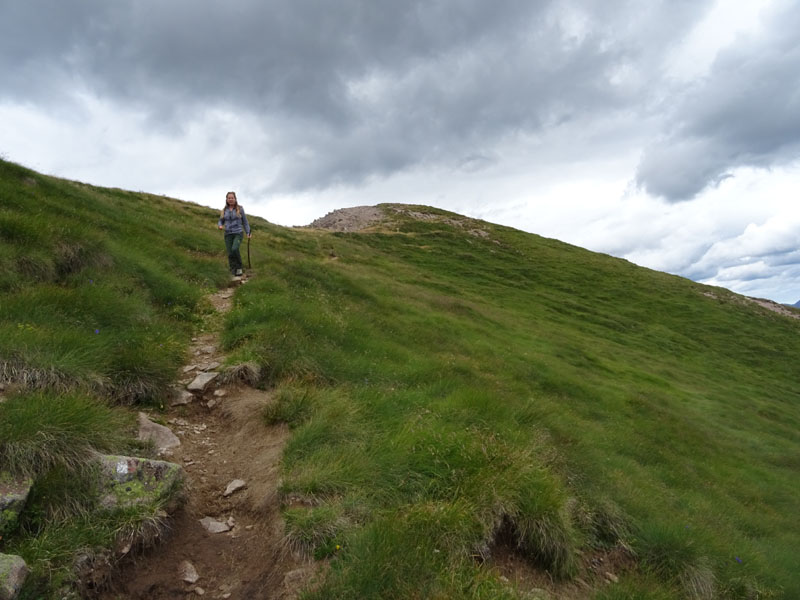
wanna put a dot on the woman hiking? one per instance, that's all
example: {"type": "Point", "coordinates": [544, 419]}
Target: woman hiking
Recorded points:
{"type": "Point", "coordinates": [233, 220]}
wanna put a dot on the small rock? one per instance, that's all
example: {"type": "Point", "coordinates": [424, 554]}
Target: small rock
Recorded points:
{"type": "Point", "coordinates": [211, 366]}
{"type": "Point", "coordinates": [234, 486]}
{"type": "Point", "coordinates": [200, 383]}
{"type": "Point", "coordinates": [188, 368]}
{"type": "Point", "coordinates": [13, 495]}
{"type": "Point", "coordinates": [231, 522]}
{"type": "Point", "coordinates": [187, 572]}
{"type": "Point", "coordinates": [611, 577]}
{"type": "Point", "coordinates": [211, 404]}
{"type": "Point", "coordinates": [183, 398]}
{"type": "Point", "coordinates": [213, 526]}
{"type": "Point", "coordinates": [208, 349]}
{"type": "Point", "coordinates": [220, 393]}
{"type": "Point", "coordinates": [161, 436]}
{"type": "Point", "coordinates": [199, 591]}
{"type": "Point", "coordinates": [13, 572]}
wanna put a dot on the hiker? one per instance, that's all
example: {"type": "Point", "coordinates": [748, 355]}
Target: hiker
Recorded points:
{"type": "Point", "coordinates": [233, 220]}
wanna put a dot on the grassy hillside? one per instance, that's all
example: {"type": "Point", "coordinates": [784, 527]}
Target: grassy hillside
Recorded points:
{"type": "Point", "coordinates": [454, 385]}
{"type": "Point", "coordinates": [458, 392]}
{"type": "Point", "coordinates": [100, 291]}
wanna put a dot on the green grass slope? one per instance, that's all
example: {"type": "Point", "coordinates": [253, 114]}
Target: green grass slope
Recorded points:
{"type": "Point", "coordinates": [100, 291]}
{"type": "Point", "coordinates": [455, 385]}
{"type": "Point", "coordinates": [457, 390]}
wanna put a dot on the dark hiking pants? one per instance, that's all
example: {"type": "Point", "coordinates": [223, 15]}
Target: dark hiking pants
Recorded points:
{"type": "Point", "coordinates": [232, 243]}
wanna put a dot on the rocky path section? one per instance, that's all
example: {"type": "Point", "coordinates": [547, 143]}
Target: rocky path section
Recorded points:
{"type": "Point", "coordinates": [227, 541]}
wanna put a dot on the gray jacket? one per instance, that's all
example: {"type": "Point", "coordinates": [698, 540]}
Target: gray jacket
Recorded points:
{"type": "Point", "coordinates": [233, 222]}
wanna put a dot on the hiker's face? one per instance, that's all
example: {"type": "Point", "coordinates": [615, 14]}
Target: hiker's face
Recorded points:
{"type": "Point", "coordinates": [230, 199]}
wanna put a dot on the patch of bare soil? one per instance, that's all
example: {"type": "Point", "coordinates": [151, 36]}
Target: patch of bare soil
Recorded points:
{"type": "Point", "coordinates": [223, 438]}
{"type": "Point", "coordinates": [598, 569]}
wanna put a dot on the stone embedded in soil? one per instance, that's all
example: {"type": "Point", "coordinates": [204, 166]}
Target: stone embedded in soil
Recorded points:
{"type": "Point", "coordinates": [213, 526]}
{"type": "Point", "coordinates": [208, 349]}
{"type": "Point", "coordinates": [234, 486]}
{"type": "Point", "coordinates": [13, 572]}
{"type": "Point", "coordinates": [211, 366]}
{"type": "Point", "coordinates": [219, 393]}
{"type": "Point", "coordinates": [188, 368]}
{"type": "Point", "coordinates": [201, 382]}
{"type": "Point", "coordinates": [184, 398]}
{"type": "Point", "coordinates": [161, 436]}
{"type": "Point", "coordinates": [188, 573]}
{"type": "Point", "coordinates": [128, 480]}
{"type": "Point", "coordinates": [13, 495]}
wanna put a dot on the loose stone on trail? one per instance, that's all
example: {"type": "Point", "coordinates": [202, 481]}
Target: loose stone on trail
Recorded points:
{"type": "Point", "coordinates": [234, 486]}
{"type": "Point", "coordinates": [184, 398]}
{"type": "Point", "coordinates": [201, 382]}
{"type": "Point", "coordinates": [188, 573]}
{"type": "Point", "coordinates": [213, 526]}
{"type": "Point", "coordinates": [161, 436]}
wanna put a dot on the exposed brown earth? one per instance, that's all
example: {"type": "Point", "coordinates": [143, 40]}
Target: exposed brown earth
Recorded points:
{"type": "Point", "coordinates": [223, 438]}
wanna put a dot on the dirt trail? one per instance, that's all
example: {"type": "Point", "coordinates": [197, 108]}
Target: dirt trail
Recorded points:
{"type": "Point", "coordinates": [223, 438]}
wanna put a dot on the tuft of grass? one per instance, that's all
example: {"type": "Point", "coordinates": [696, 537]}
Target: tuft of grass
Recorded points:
{"type": "Point", "coordinates": [290, 405]}
{"type": "Point", "coordinates": [41, 431]}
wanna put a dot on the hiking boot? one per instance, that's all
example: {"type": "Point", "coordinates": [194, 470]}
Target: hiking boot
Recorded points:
{"type": "Point", "coordinates": [238, 272]}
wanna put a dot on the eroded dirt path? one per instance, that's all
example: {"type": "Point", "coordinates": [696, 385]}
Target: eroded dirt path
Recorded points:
{"type": "Point", "coordinates": [223, 438]}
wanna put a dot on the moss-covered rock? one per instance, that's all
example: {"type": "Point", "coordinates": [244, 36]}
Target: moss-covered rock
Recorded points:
{"type": "Point", "coordinates": [129, 480]}
{"type": "Point", "coordinates": [13, 495]}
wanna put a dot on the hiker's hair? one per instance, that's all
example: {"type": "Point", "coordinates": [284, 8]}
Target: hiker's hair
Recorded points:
{"type": "Point", "coordinates": [235, 205]}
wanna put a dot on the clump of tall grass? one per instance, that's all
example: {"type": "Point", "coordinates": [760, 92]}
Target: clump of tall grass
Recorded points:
{"type": "Point", "coordinates": [314, 531]}
{"type": "Point", "coordinates": [40, 431]}
{"type": "Point", "coordinates": [675, 554]}
{"type": "Point", "coordinates": [290, 405]}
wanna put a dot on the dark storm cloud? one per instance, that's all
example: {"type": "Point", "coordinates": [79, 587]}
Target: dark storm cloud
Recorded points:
{"type": "Point", "coordinates": [745, 114]}
{"type": "Point", "coordinates": [358, 88]}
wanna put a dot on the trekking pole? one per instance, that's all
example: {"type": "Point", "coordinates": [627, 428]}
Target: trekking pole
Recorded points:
{"type": "Point", "coordinates": [248, 252]}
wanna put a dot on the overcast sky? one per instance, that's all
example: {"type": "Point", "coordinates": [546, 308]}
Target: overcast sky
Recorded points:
{"type": "Point", "coordinates": [665, 132]}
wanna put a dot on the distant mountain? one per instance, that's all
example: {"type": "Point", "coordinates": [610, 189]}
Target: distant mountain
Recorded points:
{"type": "Point", "coordinates": [796, 304]}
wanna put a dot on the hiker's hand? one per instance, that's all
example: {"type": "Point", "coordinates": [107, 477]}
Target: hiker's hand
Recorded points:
{"type": "Point", "coordinates": [220, 226]}
{"type": "Point", "coordinates": [249, 235]}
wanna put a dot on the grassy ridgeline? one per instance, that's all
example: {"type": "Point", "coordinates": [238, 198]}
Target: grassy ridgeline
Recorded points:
{"type": "Point", "coordinates": [450, 391]}
{"type": "Point", "coordinates": [100, 291]}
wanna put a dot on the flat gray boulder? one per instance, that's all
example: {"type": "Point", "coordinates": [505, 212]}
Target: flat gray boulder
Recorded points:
{"type": "Point", "coordinates": [127, 480]}
{"type": "Point", "coordinates": [13, 495]}
{"type": "Point", "coordinates": [161, 436]}
{"type": "Point", "coordinates": [13, 572]}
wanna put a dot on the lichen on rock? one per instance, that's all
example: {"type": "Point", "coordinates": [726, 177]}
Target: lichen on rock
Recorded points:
{"type": "Point", "coordinates": [129, 480]}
